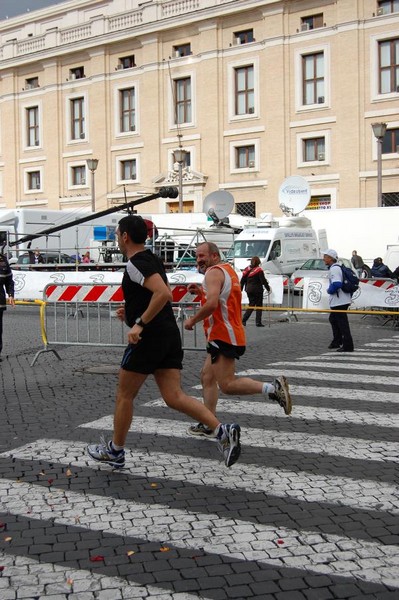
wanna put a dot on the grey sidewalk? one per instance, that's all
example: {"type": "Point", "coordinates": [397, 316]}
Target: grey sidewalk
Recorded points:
{"type": "Point", "coordinates": [310, 511]}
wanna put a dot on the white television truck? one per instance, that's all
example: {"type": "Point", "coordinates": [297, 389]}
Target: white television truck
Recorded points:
{"type": "Point", "coordinates": [16, 223]}
{"type": "Point", "coordinates": [282, 245]}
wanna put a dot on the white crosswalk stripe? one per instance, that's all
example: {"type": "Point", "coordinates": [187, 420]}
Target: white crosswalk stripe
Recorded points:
{"type": "Point", "coordinates": [277, 482]}
{"type": "Point", "coordinates": [383, 344]}
{"type": "Point", "coordinates": [328, 445]}
{"type": "Point", "coordinates": [346, 366]}
{"type": "Point", "coordinates": [267, 409]}
{"type": "Point", "coordinates": [392, 341]}
{"type": "Point", "coordinates": [354, 395]}
{"type": "Point", "coordinates": [375, 352]}
{"type": "Point", "coordinates": [328, 376]}
{"type": "Point", "coordinates": [121, 517]}
{"type": "Point", "coordinates": [352, 471]}
{"type": "Point", "coordinates": [371, 358]}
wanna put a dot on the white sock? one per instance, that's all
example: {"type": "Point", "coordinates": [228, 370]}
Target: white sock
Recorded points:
{"type": "Point", "coordinates": [268, 388]}
{"type": "Point", "coordinates": [116, 448]}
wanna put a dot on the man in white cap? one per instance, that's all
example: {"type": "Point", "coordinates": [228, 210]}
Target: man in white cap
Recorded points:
{"type": "Point", "coordinates": [339, 300]}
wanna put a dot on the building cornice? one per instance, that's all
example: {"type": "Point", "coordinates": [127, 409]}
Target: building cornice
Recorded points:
{"type": "Point", "coordinates": [104, 27]}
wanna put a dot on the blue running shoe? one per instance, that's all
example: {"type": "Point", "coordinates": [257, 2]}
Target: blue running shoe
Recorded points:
{"type": "Point", "coordinates": [201, 430]}
{"type": "Point", "coordinates": [104, 453]}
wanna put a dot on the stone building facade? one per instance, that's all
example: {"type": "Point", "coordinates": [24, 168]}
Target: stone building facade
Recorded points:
{"type": "Point", "coordinates": [252, 90]}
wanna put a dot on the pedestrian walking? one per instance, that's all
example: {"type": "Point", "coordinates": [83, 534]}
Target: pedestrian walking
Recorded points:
{"type": "Point", "coordinates": [6, 287]}
{"type": "Point", "coordinates": [357, 263]}
{"type": "Point", "coordinates": [35, 258]}
{"type": "Point", "coordinates": [221, 313]}
{"type": "Point", "coordinates": [154, 347]}
{"type": "Point", "coordinates": [253, 280]}
{"type": "Point", "coordinates": [339, 300]}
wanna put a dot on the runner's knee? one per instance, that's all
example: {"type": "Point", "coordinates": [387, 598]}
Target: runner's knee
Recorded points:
{"type": "Point", "coordinates": [225, 386]}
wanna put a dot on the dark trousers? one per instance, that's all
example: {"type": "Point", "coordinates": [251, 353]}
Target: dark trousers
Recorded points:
{"type": "Point", "coordinates": [340, 326]}
{"type": "Point", "coordinates": [255, 299]}
{"type": "Point", "coordinates": [1, 329]}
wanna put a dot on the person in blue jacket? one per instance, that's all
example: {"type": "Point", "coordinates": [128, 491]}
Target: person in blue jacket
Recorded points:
{"type": "Point", "coordinates": [380, 270]}
{"type": "Point", "coordinates": [339, 301]}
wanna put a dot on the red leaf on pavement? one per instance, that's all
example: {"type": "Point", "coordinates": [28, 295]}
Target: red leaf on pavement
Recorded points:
{"type": "Point", "coordinates": [97, 558]}
{"type": "Point", "coordinates": [280, 542]}
{"type": "Point", "coordinates": [50, 481]}
{"type": "Point", "coordinates": [2, 569]}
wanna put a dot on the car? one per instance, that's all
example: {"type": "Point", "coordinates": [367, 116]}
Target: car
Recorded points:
{"type": "Point", "coordinates": [314, 267]}
{"type": "Point", "coordinates": [50, 258]}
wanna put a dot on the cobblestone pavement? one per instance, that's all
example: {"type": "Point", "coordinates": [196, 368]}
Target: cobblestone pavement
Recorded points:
{"type": "Point", "coordinates": [311, 510]}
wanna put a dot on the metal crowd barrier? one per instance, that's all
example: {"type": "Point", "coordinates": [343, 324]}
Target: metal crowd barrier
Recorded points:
{"type": "Point", "coordinates": [85, 315]}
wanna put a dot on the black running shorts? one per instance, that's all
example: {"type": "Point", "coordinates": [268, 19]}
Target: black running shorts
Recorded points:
{"type": "Point", "coordinates": [154, 352]}
{"type": "Point", "coordinates": [216, 347]}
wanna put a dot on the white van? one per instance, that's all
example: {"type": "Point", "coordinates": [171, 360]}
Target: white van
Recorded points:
{"type": "Point", "coordinates": [391, 258]}
{"type": "Point", "coordinates": [282, 247]}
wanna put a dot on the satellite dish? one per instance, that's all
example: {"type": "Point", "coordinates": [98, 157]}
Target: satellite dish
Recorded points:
{"type": "Point", "coordinates": [218, 205]}
{"type": "Point", "coordinates": [294, 195]}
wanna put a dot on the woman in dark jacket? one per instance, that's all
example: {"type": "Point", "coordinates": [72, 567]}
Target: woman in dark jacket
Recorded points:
{"type": "Point", "coordinates": [379, 269]}
{"type": "Point", "coordinates": [253, 281]}
{"type": "Point", "coordinates": [6, 286]}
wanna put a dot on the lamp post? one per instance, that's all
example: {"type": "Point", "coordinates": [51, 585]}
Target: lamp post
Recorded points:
{"type": "Point", "coordinates": [92, 166]}
{"type": "Point", "coordinates": [379, 130]}
{"type": "Point", "coordinates": [180, 157]}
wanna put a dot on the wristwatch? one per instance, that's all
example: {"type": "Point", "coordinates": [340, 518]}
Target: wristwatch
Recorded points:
{"type": "Point", "coordinates": [140, 322]}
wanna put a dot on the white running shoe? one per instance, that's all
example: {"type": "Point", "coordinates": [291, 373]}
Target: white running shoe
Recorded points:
{"type": "Point", "coordinates": [229, 443]}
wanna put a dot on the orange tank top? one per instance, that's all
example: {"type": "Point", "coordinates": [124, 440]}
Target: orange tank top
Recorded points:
{"type": "Point", "coordinates": [225, 323]}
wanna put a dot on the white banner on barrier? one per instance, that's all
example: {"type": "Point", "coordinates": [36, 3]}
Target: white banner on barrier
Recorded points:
{"type": "Point", "coordinates": [276, 293]}
{"type": "Point", "coordinates": [369, 295]}
{"type": "Point", "coordinates": [30, 285]}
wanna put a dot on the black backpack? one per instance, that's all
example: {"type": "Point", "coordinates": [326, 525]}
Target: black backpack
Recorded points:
{"type": "Point", "coordinates": [350, 283]}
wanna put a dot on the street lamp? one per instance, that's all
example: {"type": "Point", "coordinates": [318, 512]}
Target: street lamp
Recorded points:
{"type": "Point", "coordinates": [180, 157]}
{"type": "Point", "coordinates": [379, 130]}
{"type": "Point", "coordinates": [92, 166]}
